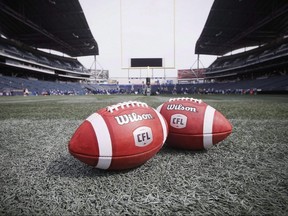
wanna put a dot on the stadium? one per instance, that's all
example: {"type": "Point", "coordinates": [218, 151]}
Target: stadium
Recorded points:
{"type": "Point", "coordinates": [46, 96]}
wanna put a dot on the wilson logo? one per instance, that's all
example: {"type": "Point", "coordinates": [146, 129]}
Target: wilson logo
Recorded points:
{"type": "Point", "coordinates": [133, 117]}
{"type": "Point", "coordinates": [181, 107]}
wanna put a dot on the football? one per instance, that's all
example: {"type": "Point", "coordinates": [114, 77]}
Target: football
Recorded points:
{"type": "Point", "coordinates": [120, 136]}
{"type": "Point", "coordinates": [193, 124]}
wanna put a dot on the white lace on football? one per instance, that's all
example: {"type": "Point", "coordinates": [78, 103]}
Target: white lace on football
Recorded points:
{"type": "Point", "coordinates": [125, 104]}
{"type": "Point", "coordinates": [186, 99]}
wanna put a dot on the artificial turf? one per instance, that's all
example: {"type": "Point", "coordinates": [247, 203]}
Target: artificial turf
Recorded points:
{"type": "Point", "coordinates": [246, 174]}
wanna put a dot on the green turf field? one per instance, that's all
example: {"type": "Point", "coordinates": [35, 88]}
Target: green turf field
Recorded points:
{"type": "Point", "coordinates": [246, 174]}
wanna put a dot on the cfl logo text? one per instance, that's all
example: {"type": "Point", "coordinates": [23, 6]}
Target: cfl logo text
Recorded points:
{"type": "Point", "coordinates": [143, 136]}
{"type": "Point", "coordinates": [178, 121]}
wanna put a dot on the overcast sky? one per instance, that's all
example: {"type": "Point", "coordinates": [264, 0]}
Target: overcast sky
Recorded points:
{"type": "Point", "coordinates": [126, 29]}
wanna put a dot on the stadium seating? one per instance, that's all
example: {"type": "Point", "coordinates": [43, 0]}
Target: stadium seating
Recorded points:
{"type": "Point", "coordinates": [40, 57]}
{"type": "Point", "coordinates": [223, 66]}
{"type": "Point", "coordinates": [249, 61]}
{"type": "Point", "coordinates": [12, 85]}
{"type": "Point", "coordinates": [16, 85]}
{"type": "Point", "coordinates": [276, 83]}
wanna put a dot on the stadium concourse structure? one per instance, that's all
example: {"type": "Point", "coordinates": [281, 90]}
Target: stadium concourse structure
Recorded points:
{"type": "Point", "coordinates": [27, 27]}
{"type": "Point", "coordinates": [240, 25]}
{"type": "Point", "coordinates": [30, 25]}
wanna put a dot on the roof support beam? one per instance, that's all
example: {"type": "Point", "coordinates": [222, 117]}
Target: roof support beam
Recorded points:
{"type": "Point", "coordinates": [259, 24]}
{"type": "Point", "coordinates": [32, 25]}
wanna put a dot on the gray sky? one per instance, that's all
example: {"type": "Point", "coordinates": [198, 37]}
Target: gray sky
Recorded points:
{"type": "Point", "coordinates": [127, 29]}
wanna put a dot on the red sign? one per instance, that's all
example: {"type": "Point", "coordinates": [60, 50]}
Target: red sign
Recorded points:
{"type": "Point", "coordinates": [191, 73]}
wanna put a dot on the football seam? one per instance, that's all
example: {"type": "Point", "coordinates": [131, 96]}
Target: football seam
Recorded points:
{"type": "Point", "coordinates": [202, 133]}
{"type": "Point", "coordinates": [72, 152]}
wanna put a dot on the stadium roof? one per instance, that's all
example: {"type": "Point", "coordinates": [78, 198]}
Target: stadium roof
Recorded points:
{"type": "Point", "coordinates": [234, 24]}
{"type": "Point", "coordinates": [50, 24]}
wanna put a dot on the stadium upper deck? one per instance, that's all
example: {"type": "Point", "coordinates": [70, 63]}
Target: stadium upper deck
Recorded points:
{"type": "Point", "coordinates": [273, 57]}
{"type": "Point", "coordinates": [29, 25]}
{"type": "Point", "coordinates": [24, 61]}
{"type": "Point", "coordinates": [57, 25]}
{"type": "Point", "coordinates": [234, 24]}
{"type": "Point", "coordinates": [61, 25]}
